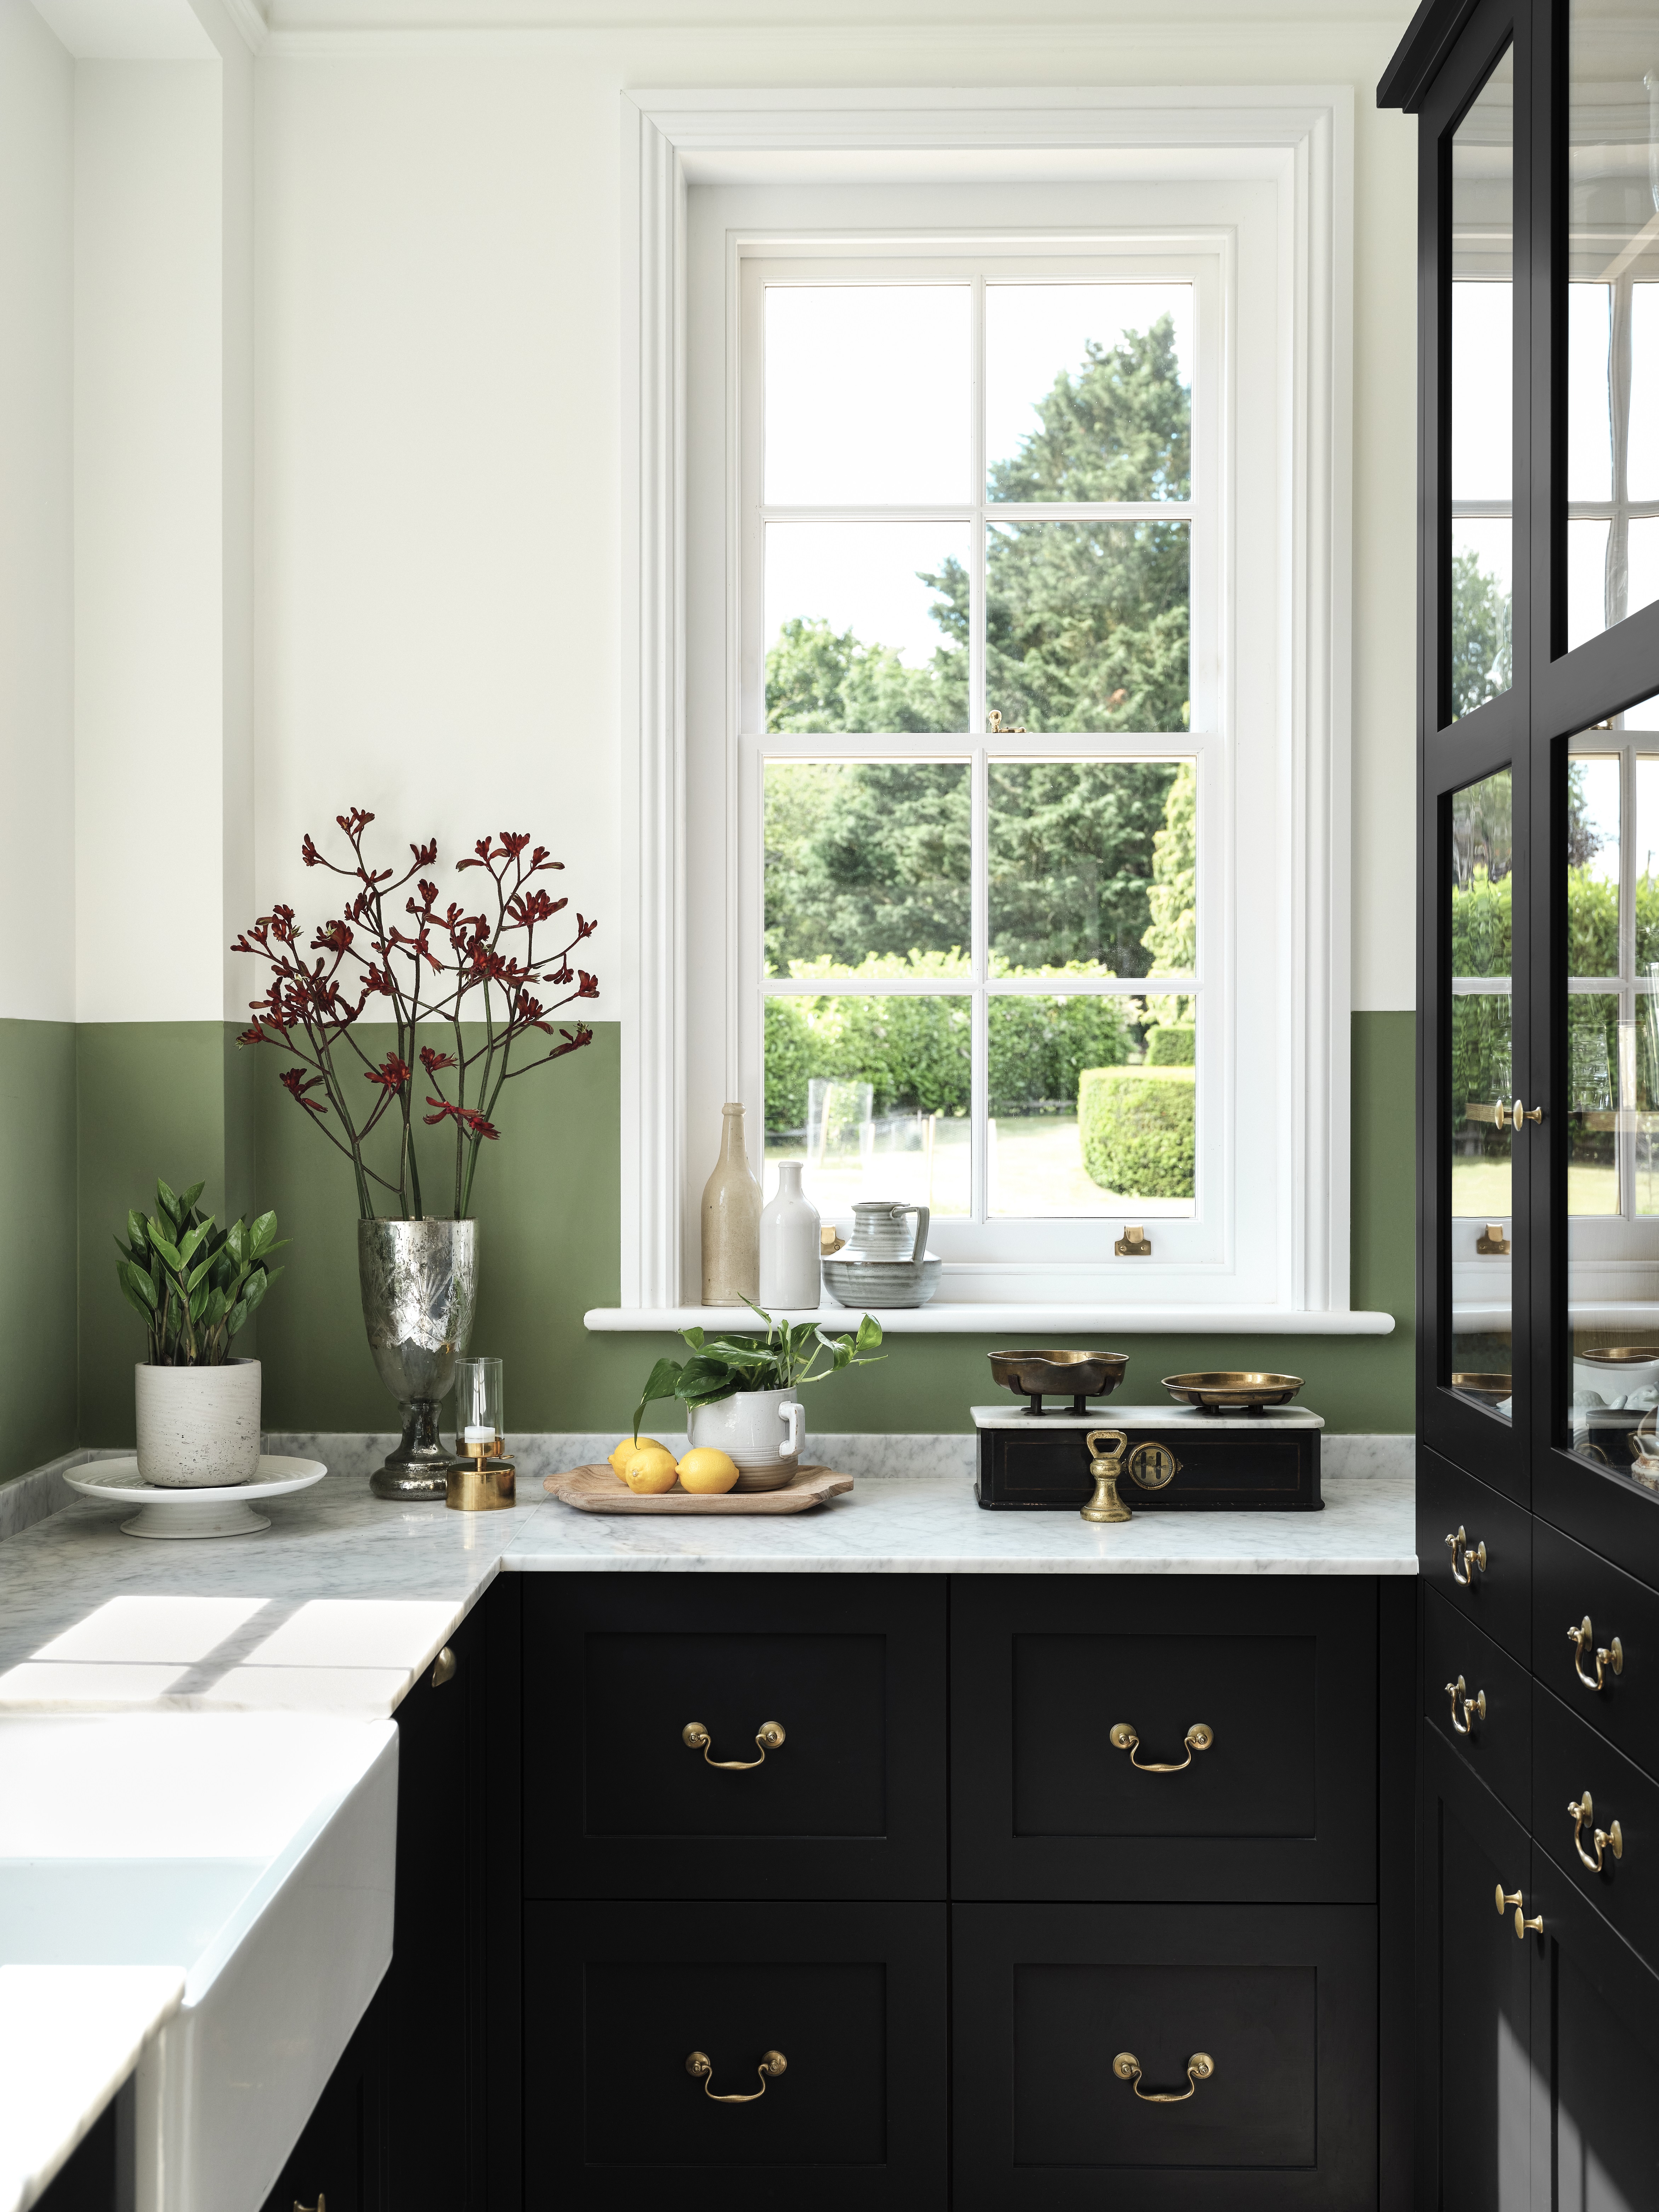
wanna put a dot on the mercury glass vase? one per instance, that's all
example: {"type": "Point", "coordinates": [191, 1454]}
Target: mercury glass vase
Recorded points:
{"type": "Point", "coordinates": [420, 1286]}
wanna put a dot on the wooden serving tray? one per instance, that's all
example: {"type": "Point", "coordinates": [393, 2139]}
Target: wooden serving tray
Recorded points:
{"type": "Point", "coordinates": [595, 1489]}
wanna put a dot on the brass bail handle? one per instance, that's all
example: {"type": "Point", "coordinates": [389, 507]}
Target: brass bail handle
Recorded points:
{"type": "Point", "coordinates": [1106, 1448]}
{"type": "Point", "coordinates": [1465, 1560]}
{"type": "Point", "coordinates": [1465, 1709]}
{"type": "Point", "coordinates": [1199, 1737]}
{"type": "Point", "coordinates": [768, 1737]}
{"type": "Point", "coordinates": [701, 2067]}
{"type": "Point", "coordinates": [1583, 1639]}
{"type": "Point", "coordinates": [1605, 1839]}
{"type": "Point", "coordinates": [1200, 2067]}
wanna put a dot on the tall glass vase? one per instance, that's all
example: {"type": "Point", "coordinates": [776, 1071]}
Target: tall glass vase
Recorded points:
{"type": "Point", "coordinates": [420, 1286]}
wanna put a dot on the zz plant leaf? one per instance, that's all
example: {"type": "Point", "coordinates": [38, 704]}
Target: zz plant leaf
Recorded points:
{"type": "Point", "coordinates": [193, 1285]}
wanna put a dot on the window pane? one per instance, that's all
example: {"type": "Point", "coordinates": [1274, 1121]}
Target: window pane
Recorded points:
{"type": "Point", "coordinates": [1086, 625]}
{"type": "Point", "coordinates": [867, 395]}
{"type": "Point", "coordinates": [1478, 887]}
{"type": "Point", "coordinates": [1093, 868]}
{"type": "Point", "coordinates": [1645, 865]}
{"type": "Point", "coordinates": [1086, 1117]}
{"type": "Point", "coordinates": [1589, 456]}
{"type": "Point", "coordinates": [866, 625]}
{"type": "Point", "coordinates": [1088, 391]}
{"type": "Point", "coordinates": [867, 861]}
{"type": "Point", "coordinates": [1587, 575]}
{"type": "Point", "coordinates": [1593, 1103]}
{"type": "Point", "coordinates": [872, 1093]}
{"type": "Point", "coordinates": [1482, 382]}
{"type": "Point", "coordinates": [1593, 849]}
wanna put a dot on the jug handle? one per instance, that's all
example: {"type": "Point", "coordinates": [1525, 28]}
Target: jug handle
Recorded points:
{"type": "Point", "coordinates": [793, 1417]}
{"type": "Point", "coordinates": [924, 1215]}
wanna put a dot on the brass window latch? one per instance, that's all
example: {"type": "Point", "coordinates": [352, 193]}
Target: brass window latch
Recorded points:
{"type": "Point", "coordinates": [1493, 1241]}
{"type": "Point", "coordinates": [1133, 1244]}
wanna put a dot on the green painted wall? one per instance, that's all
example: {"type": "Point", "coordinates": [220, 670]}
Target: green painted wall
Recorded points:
{"type": "Point", "coordinates": [181, 1100]}
{"type": "Point", "coordinates": [37, 1209]}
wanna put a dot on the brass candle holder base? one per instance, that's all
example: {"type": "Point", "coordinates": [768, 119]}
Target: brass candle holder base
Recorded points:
{"type": "Point", "coordinates": [480, 1483]}
{"type": "Point", "coordinates": [1106, 1466]}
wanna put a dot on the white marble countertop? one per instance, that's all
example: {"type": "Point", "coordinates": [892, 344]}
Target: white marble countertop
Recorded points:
{"type": "Point", "coordinates": [70, 2036]}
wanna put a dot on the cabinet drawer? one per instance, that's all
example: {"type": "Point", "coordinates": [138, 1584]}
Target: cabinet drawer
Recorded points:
{"type": "Point", "coordinates": [618, 1997]}
{"type": "Point", "coordinates": [1495, 1746]}
{"type": "Point", "coordinates": [1568, 1758]}
{"type": "Point", "coordinates": [1281, 1999]}
{"type": "Point", "coordinates": [1568, 1584]}
{"type": "Point", "coordinates": [1496, 1597]}
{"type": "Point", "coordinates": [851, 1804]}
{"type": "Point", "coordinates": [1281, 1805]}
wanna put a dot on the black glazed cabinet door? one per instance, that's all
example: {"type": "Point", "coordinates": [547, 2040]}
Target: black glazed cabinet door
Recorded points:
{"type": "Point", "coordinates": [1475, 2018]}
{"type": "Point", "coordinates": [850, 1804]}
{"type": "Point", "coordinates": [1498, 1597]}
{"type": "Point", "coordinates": [618, 1997]}
{"type": "Point", "coordinates": [1281, 2000]}
{"type": "Point", "coordinates": [1281, 1805]}
{"type": "Point", "coordinates": [1497, 1745]}
{"type": "Point", "coordinates": [1569, 1759]}
{"type": "Point", "coordinates": [1570, 1584]}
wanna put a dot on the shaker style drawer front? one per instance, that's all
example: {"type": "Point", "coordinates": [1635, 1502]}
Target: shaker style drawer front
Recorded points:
{"type": "Point", "coordinates": [727, 1737]}
{"type": "Point", "coordinates": [1597, 1816]}
{"type": "Point", "coordinates": [753, 2055]}
{"type": "Point", "coordinates": [1475, 1548]}
{"type": "Point", "coordinates": [1595, 1643]}
{"type": "Point", "coordinates": [1126, 1739]}
{"type": "Point", "coordinates": [1479, 1700]}
{"type": "Point", "coordinates": [1175, 2057]}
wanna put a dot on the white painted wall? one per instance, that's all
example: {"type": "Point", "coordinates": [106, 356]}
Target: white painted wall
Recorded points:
{"type": "Point", "coordinates": [437, 581]}
{"type": "Point", "coordinates": [37, 762]}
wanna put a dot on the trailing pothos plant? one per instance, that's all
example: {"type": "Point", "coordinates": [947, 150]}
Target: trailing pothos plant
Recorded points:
{"type": "Point", "coordinates": [194, 1285]}
{"type": "Point", "coordinates": [786, 1357]}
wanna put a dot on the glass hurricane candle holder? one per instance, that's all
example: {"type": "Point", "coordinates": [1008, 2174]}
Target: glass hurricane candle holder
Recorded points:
{"type": "Point", "coordinates": [480, 1421]}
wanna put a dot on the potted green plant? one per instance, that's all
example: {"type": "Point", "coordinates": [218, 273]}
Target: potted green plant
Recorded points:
{"type": "Point", "coordinates": [195, 1286]}
{"type": "Point", "coordinates": [740, 1392]}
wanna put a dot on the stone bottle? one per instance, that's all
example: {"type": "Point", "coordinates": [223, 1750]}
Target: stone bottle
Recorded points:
{"type": "Point", "coordinates": [789, 1246]}
{"type": "Point", "coordinates": [731, 1220]}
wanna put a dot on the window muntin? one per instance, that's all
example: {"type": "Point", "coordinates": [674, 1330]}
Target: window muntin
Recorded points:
{"type": "Point", "coordinates": [1073, 610]}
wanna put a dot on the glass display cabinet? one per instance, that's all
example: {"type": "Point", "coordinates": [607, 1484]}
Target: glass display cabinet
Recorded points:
{"type": "Point", "coordinates": [1538, 1098]}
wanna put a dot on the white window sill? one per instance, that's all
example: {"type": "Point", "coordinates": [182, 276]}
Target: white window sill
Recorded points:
{"type": "Point", "coordinates": [945, 1318]}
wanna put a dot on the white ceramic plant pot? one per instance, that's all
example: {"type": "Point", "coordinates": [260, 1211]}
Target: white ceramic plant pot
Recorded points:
{"type": "Point", "coordinates": [198, 1426]}
{"type": "Point", "coordinates": [760, 1430]}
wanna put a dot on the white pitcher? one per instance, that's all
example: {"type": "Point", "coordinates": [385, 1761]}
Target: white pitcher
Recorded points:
{"type": "Point", "coordinates": [760, 1430]}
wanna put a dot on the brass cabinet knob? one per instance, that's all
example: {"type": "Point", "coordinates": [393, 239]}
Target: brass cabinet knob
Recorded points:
{"type": "Point", "coordinates": [1465, 1709]}
{"type": "Point", "coordinates": [768, 1736]}
{"type": "Point", "coordinates": [1200, 2067]}
{"type": "Point", "coordinates": [1465, 1561]}
{"type": "Point", "coordinates": [1605, 1839]}
{"type": "Point", "coordinates": [443, 1668]}
{"type": "Point", "coordinates": [701, 2067]}
{"type": "Point", "coordinates": [1523, 1927]}
{"type": "Point", "coordinates": [1506, 1899]}
{"type": "Point", "coordinates": [1199, 1737]}
{"type": "Point", "coordinates": [1582, 1640]}
{"type": "Point", "coordinates": [1522, 1114]}
{"type": "Point", "coordinates": [1512, 1897]}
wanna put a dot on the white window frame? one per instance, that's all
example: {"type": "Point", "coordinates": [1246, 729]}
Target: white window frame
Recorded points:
{"type": "Point", "coordinates": [1300, 140]}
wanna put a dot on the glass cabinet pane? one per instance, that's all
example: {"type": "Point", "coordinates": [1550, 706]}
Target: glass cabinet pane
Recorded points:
{"type": "Point", "coordinates": [1481, 884]}
{"type": "Point", "coordinates": [1611, 1016]}
{"type": "Point", "coordinates": [1482, 309]}
{"type": "Point", "coordinates": [1612, 316]}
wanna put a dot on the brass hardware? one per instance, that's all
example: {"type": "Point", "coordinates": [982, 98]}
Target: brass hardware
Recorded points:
{"type": "Point", "coordinates": [700, 2068]}
{"type": "Point", "coordinates": [1489, 1390]}
{"type": "Point", "coordinates": [1152, 1466]}
{"type": "Point", "coordinates": [481, 1481]}
{"type": "Point", "coordinates": [1522, 1925]}
{"type": "Point", "coordinates": [443, 1668]}
{"type": "Point", "coordinates": [768, 1737]}
{"type": "Point", "coordinates": [1106, 1466]}
{"type": "Point", "coordinates": [1492, 1240]}
{"type": "Point", "coordinates": [1232, 1389]}
{"type": "Point", "coordinates": [1133, 1244]}
{"type": "Point", "coordinates": [1001, 729]}
{"type": "Point", "coordinates": [1582, 1640]}
{"type": "Point", "coordinates": [1506, 1899]}
{"type": "Point", "coordinates": [1200, 2067]}
{"type": "Point", "coordinates": [321, 2205]}
{"type": "Point", "coordinates": [1497, 1116]}
{"type": "Point", "coordinates": [1605, 1839]}
{"type": "Point", "coordinates": [1522, 1115]}
{"type": "Point", "coordinates": [1476, 1705]}
{"type": "Point", "coordinates": [1078, 1375]}
{"type": "Point", "coordinates": [1199, 1737]}
{"type": "Point", "coordinates": [1465, 1561]}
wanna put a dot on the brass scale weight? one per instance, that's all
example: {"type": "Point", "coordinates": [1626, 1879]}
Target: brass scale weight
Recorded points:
{"type": "Point", "coordinates": [1152, 1466]}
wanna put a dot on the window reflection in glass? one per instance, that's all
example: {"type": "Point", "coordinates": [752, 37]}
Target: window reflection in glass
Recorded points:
{"type": "Point", "coordinates": [1481, 303]}
{"type": "Point", "coordinates": [1481, 881]}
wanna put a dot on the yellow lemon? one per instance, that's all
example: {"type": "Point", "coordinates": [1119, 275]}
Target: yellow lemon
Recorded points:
{"type": "Point", "coordinates": [626, 1449]}
{"type": "Point", "coordinates": [650, 1472]}
{"type": "Point", "coordinates": [708, 1472]}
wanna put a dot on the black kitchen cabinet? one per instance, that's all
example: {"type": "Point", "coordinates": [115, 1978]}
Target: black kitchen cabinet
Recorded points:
{"type": "Point", "coordinates": [91, 2178]}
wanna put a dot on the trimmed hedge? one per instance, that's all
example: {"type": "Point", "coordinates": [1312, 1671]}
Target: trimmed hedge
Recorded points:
{"type": "Point", "coordinates": [1174, 1045]}
{"type": "Point", "coordinates": [1137, 1129]}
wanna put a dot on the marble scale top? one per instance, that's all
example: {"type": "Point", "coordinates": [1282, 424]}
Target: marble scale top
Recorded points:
{"type": "Point", "coordinates": [1104, 1414]}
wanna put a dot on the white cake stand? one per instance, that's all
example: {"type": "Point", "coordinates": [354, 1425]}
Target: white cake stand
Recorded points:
{"type": "Point", "coordinates": [226, 1511]}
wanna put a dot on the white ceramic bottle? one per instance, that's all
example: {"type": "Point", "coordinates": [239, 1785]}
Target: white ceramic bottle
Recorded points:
{"type": "Point", "coordinates": [731, 1220]}
{"type": "Point", "coordinates": [789, 1246]}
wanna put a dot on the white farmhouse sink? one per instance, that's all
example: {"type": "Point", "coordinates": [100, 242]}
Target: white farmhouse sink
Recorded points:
{"type": "Point", "coordinates": [253, 1851]}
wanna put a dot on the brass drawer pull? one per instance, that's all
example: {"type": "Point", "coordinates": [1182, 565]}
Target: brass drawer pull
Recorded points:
{"type": "Point", "coordinates": [1605, 1839]}
{"type": "Point", "coordinates": [696, 1737]}
{"type": "Point", "coordinates": [321, 2205]}
{"type": "Point", "coordinates": [1465, 1709]}
{"type": "Point", "coordinates": [443, 1670]}
{"type": "Point", "coordinates": [700, 2068]}
{"type": "Point", "coordinates": [1199, 1737]}
{"type": "Point", "coordinates": [1200, 2067]}
{"type": "Point", "coordinates": [1465, 1561]}
{"type": "Point", "coordinates": [1582, 1640]}
{"type": "Point", "coordinates": [1512, 1897]}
